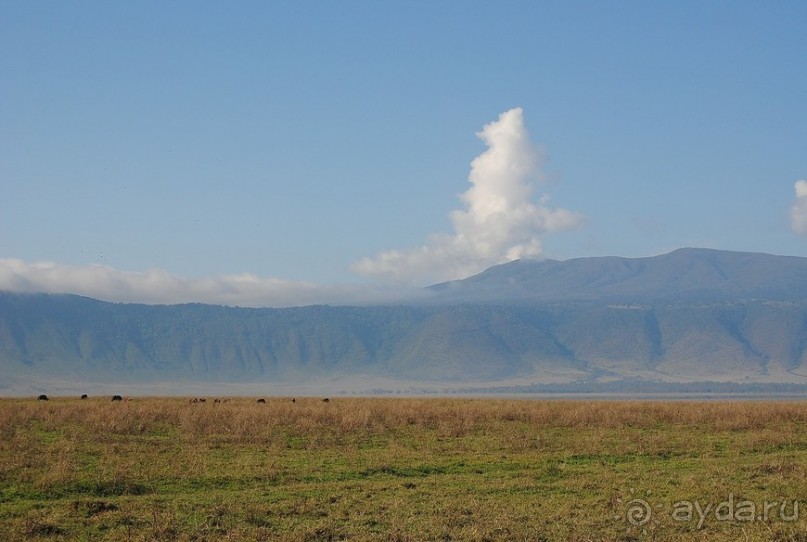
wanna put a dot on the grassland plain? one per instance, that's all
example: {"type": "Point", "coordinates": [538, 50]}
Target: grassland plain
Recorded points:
{"type": "Point", "coordinates": [402, 469]}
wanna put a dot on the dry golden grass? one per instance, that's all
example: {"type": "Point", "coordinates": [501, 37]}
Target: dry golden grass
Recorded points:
{"type": "Point", "coordinates": [394, 469]}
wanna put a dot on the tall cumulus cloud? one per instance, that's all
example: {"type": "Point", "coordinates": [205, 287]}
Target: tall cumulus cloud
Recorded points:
{"type": "Point", "coordinates": [798, 212]}
{"type": "Point", "coordinates": [500, 221]}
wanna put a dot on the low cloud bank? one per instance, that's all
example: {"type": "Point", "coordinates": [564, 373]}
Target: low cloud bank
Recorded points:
{"type": "Point", "coordinates": [160, 287]}
{"type": "Point", "coordinates": [500, 221]}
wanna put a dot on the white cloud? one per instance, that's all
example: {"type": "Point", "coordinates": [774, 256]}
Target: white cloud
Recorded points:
{"type": "Point", "coordinates": [160, 287]}
{"type": "Point", "coordinates": [798, 212]}
{"type": "Point", "coordinates": [500, 222]}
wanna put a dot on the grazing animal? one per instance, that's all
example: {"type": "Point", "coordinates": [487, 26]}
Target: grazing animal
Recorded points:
{"type": "Point", "coordinates": [117, 398]}
{"type": "Point", "coordinates": [202, 400]}
{"type": "Point", "coordinates": [293, 400]}
{"type": "Point", "coordinates": [326, 400]}
{"type": "Point", "coordinates": [217, 400]}
{"type": "Point", "coordinates": [83, 395]}
{"type": "Point", "coordinates": [42, 397]}
{"type": "Point", "coordinates": [194, 400]}
{"type": "Point", "coordinates": [261, 401]}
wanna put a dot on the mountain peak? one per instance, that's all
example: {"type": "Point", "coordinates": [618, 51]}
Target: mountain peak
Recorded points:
{"type": "Point", "coordinates": [686, 274]}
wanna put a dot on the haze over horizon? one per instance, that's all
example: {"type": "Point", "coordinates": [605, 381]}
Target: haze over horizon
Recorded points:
{"type": "Point", "coordinates": [278, 155]}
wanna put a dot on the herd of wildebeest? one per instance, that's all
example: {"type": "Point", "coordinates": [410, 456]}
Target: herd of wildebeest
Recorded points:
{"type": "Point", "coordinates": [261, 400]}
{"type": "Point", "coordinates": [44, 397]}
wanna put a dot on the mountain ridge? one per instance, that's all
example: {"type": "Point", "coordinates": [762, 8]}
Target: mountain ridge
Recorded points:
{"type": "Point", "coordinates": [686, 274]}
{"type": "Point", "coordinates": [739, 318]}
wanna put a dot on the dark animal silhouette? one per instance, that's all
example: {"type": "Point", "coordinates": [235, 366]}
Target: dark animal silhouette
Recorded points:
{"type": "Point", "coordinates": [326, 400]}
{"type": "Point", "coordinates": [217, 400]}
{"type": "Point", "coordinates": [83, 395]}
{"type": "Point", "coordinates": [261, 401]}
{"type": "Point", "coordinates": [293, 400]}
{"type": "Point", "coordinates": [202, 400]}
{"type": "Point", "coordinates": [42, 397]}
{"type": "Point", "coordinates": [117, 398]}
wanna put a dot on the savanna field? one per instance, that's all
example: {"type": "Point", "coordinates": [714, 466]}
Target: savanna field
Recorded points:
{"type": "Point", "coordinates": [401, 469]}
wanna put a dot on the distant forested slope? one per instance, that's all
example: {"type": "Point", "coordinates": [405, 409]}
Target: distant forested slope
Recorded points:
{"type": "Point", "coordinates": [76, 337]}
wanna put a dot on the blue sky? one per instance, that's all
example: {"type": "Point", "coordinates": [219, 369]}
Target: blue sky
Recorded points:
{"type": "Point", "coordinates": [158, 144]}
